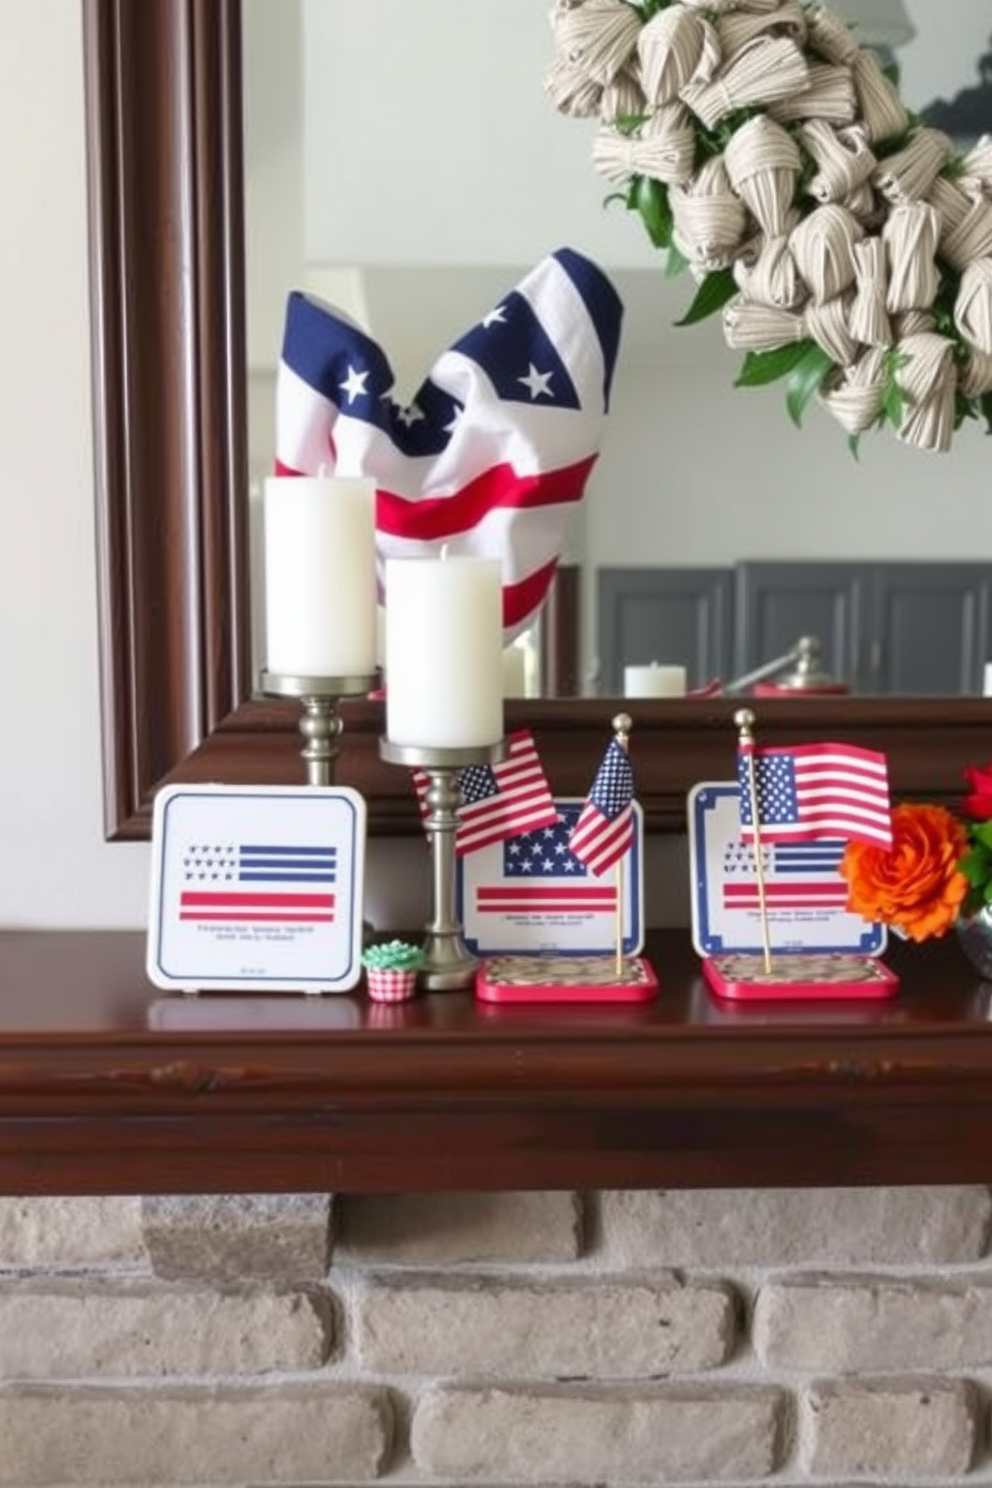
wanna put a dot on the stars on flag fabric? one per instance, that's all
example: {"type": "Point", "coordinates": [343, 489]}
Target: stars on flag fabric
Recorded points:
{"type": "Point", "coordinates": [816, 790]}
{"type": "Point", "coordinates": [605, 828]}
{"type": "Point", "coordinates": [288, 884]}
{"type": "Point", "coordinates": [501, 800]}
{"type": "Point", "coordinates": [493, 453]}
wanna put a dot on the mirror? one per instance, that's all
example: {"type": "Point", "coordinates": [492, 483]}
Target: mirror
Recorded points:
{"type": "Point", "coordinates": [164, 139]}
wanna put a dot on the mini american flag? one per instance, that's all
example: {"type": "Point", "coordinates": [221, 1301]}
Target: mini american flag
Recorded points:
{"type": "Point", "coordinates": [500, 800]}
{"type": "Point", "coordinates": [493, 453]}
{"type": "Point", "coordinates": [605, 828]}
{"type": "Point", "coordinates": [288, 884]}
{"type": "Point", "coordinates": [816, 790]}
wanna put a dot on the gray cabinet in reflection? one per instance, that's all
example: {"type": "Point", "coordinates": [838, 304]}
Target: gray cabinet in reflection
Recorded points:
{"type": "Point", "coordinates": [675, 616]}
{"type": "Point", "coordinates": [900, 628]}
{"type": "Point", "coordinates": [776, 603]}
{"type": "Point", "coordinates": [906, 628]}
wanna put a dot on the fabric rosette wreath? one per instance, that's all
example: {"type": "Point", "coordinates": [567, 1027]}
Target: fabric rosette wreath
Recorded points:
{"type": "Point", "coordinates": [847, 245]}
{"type": "Point", "coordinates": [938, 870]}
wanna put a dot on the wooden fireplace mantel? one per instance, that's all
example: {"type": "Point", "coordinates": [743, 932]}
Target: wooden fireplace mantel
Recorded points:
{"type": "Point", "coordinates": [110, 1086]}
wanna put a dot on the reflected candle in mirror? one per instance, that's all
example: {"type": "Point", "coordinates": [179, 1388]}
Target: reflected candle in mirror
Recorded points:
{"type": "Point", "coordinates": [444, 652]}
{"type": "Point", "coordinates": [654, 681]}
{"type": "Point", "coordinates": [987, 679]}
{"type": "Point", "coordinates": [320, 577]}
{"type": "Point", "coordinates": [514, 672]}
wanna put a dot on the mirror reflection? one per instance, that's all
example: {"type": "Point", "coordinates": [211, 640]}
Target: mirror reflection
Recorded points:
{"type": "Point", "coordinates": [411, 176]}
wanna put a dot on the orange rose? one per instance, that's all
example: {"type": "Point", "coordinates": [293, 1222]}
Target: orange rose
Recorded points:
{"type": "Point", "coordinates": [915, 886]}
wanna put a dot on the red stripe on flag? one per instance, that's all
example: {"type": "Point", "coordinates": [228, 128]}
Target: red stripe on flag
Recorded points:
{"type": "Point", "coordinates": [525, 598]}
{"type": "Point", "coordinates": [434, 518]}
{"type": "Point", "coordinates": [229, 916]}
{"type": "Point", "coordinates": [251, 898]}
{"type": "Point", "coordinates": [542, 891]}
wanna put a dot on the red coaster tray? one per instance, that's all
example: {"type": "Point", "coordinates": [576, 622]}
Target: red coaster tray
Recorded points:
{"type": "Point", "coordinates": [804, 976]}
{"type": "Point", "coordinates": [565, 979]}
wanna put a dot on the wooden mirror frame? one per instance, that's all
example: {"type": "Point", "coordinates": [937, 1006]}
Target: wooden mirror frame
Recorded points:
{"type": "Point", "coordinates": [164, 141]}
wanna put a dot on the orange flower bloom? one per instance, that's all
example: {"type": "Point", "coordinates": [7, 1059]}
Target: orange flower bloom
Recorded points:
{"type": "Point", "coordinates": [916, 885]}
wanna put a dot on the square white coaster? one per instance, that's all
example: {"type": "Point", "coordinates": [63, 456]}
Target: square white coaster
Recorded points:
{"type": "Point", "coordinates": [256, 887]}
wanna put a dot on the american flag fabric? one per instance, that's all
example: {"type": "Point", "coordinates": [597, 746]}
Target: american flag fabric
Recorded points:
{"type": "Point", "coordinates": [605, 828]}
{"type": "Point", "coordinates": [258, 883]}
{"type": "Point", "coordinates": [501, 800]}
{"type": "Point", "coordinates": [797, 876]}
{"type": "Point", "coordinates": [493, 453]}
{"type": "Point", "coordinates": [541, 875]}
{"type": "Point", "coordinates": [816, 790]}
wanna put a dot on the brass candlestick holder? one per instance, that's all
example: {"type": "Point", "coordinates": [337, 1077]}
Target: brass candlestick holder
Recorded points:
{"type": "Point", "coordinates": [448, 964]}
{"type": "Point", "coordinates": [320, 724]}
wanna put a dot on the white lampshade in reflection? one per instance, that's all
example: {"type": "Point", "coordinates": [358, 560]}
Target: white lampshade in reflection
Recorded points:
{"type": "Point", "coordinates": [878, 23]}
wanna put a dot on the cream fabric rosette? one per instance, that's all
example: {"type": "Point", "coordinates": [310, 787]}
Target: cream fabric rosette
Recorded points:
{"type": "Point", "coordinates": [789, 164]}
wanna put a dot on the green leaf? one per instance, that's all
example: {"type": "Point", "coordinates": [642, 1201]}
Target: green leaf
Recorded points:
{"type": "Point", "coordinates": [714, 292]}
{"type": "Point", "coordinates": [805, 380]}
{"type": "Point", "coordinates": [985, 404]}
{"type": "Point", "coordinates": [762, 367]}
{"type": "Point", "coordinates": [676, 263]}
{"type": "Point", "coordinates": [854, 445]}
{"type": "Point", "coordinates": [964, 408]}
{"type": "Point", "coordinates": [650, 198]}
{"type": "Point", "coordinates": [981, 836]}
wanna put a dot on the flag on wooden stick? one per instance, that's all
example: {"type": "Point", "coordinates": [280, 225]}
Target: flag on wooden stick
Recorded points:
{"type": "Point", "coordinates": [808, 791]}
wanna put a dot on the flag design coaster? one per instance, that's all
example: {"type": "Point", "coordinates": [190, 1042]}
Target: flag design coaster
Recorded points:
{"type": "Point", "coordinates": [256, 887]}
{"type": "Point", "coordinates": [530, 894]}
{"type": "Point", "coordinates": [820, 950]}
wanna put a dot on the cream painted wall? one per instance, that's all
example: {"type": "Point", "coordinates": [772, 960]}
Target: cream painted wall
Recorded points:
{"type": "Point", "coordinates": [54, 866]}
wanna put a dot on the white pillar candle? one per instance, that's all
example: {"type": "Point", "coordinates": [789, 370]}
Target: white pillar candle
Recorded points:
{"type": "Point", "coordinates": [320, 578]}
{"type": "Point", "coordinates": [514, 672]}
{"type": "Point", "coordinates": [987, 680]}
{"type": "Point", "coordinates": [444, 652]}
{"type": "Point", "coordinates": [654, 681]}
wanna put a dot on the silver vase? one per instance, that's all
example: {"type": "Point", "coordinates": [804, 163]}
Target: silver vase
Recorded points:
{"type": "Point", "coordinates": [975, 937]}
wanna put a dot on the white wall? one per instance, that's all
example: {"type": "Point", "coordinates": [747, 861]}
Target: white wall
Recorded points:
{"type": "Point", "coordinates": [54, 866]}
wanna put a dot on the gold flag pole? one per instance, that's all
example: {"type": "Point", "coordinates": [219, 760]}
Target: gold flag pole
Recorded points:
{"type": "Point", "coordinates": [744, 719]}
{"type": "Point", "coordinates": [622, 725]}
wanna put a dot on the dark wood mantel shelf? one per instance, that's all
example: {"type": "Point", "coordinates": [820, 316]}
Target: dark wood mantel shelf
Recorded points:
{"type": "Point", "coordinates": [109, 1086]}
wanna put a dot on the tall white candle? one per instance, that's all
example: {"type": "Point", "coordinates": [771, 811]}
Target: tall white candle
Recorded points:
{"type": "Point", "coordinates": [444, 652]}
{"type": "Point", "coordinates": [320, 580]}
{"type": "Point", "coordinates": [654, 681]}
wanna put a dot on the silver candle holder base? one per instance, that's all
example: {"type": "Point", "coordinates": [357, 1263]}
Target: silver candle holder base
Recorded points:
{"type": "Point", "coordinates": [320, 724]}
{"type": "Point", "coordinates": [448, 964]}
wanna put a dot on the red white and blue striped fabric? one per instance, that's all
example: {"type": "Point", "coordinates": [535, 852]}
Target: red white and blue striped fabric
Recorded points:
{"type": "Point", "coordinates": [493, 453]}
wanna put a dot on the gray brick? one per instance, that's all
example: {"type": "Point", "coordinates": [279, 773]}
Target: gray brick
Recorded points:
{"type": "Point", "coordinates": [922, 1428]}
{"type": "Point", "coordinates": [558, 1435]}
{"type": "Point", "coordinates": [64, 1330]}
{"type": "Point", "coordinates": [109, 1437]}
{"type": "Point", "coordinates": [458, 1228]}
{"type": "Point", "coordinates": [71, 1232]}
{"type": "Point", "coordinates": [590, 1329]}
{"type": "Point", "coordinates": [865, 1325]}
{"type": "Point", "coordinates": [810, 1227]}
{"type": "Point", "coordinates": [276, 1238]}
